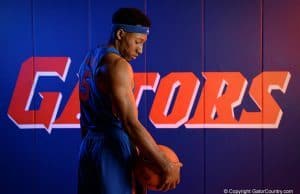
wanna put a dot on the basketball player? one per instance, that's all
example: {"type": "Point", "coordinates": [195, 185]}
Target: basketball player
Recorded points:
{"type": "Point", "coordinates": [109, 118]}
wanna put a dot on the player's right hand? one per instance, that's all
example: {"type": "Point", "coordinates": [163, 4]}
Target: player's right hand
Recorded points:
{"type": "Point", "coordinates": [170, 176]}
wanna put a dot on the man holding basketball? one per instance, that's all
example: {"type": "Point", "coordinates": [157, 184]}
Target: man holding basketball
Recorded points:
{"type": "Point", "coordinates": [109, 116]}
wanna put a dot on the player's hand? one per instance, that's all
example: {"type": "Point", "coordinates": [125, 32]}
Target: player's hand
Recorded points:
{"type": "Point", "coordinates": [170, 176]}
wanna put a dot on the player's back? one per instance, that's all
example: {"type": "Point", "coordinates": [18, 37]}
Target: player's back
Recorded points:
{"type": "Point", "coordinates": [95, 103]}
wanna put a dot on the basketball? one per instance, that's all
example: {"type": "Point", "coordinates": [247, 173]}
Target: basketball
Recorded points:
{"type": "Point", "coordinates": [145, 172]}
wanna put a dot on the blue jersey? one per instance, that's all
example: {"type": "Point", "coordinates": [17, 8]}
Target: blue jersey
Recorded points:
{"type": "Point", "coordinates": [95, 106]}
{"type": "Point", "coordinates": [106, 154]}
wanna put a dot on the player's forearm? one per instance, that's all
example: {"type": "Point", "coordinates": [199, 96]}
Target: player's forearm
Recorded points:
{"type": "Point", "coordinates": [146, 144]}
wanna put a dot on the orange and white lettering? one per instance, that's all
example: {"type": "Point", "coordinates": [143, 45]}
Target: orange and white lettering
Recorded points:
{"type": "Point", "coordinates": [161, 114]}
{"type": "Point", "coordinates": [260, 92]}
{"type": "Point", "coordinates": [222, 92]}
{"type": "Point", "coordinates": [174, 98]}
{"type": "Point", "coordinates": [144, 81]}
{"type": "Point", "coordinates": [70, 116]}
{"type": "Point", "coordinates": [31, 70]}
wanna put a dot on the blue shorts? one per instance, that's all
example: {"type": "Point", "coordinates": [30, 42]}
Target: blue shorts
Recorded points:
{"type": "Point", "coordinates": [105, 163]}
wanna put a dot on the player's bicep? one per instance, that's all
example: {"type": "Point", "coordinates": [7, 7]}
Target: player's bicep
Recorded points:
{"type": "Point", "coordinates": [121, 94]}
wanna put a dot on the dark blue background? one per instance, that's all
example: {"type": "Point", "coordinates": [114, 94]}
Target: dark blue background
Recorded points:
{"type": "Point", "coordinates": [248, 36]}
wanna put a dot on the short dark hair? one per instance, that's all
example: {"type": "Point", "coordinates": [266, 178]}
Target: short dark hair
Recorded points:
{"type": "Point", "coordinates": [130, 16]}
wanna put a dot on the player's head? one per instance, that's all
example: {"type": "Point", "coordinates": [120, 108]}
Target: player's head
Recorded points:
{"type": "Point", "coordinates": [130, 29]}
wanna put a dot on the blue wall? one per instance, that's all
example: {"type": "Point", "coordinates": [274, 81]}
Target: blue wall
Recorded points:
{"type": "Point", "coordinates": [246, 36]}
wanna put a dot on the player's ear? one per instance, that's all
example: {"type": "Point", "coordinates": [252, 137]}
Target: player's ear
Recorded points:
{"type": "Point", "coordinates": [120, 34]}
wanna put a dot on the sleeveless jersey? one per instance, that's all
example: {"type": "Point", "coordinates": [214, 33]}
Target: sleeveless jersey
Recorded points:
{"type": "Point", "coordinates": [95, 106]}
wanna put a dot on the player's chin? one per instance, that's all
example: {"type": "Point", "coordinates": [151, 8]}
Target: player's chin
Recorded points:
{"type": "Point", "coordinates": [130, 58]}
{"type": "Point", "coordinates": [133, 58]}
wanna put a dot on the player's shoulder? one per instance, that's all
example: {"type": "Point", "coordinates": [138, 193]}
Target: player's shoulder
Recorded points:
{"type": "Point", "coordinates": [116, 63]}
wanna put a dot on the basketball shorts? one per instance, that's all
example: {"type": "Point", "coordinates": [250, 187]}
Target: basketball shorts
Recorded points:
{"type": "Point", "coordinates": [105, 163]}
